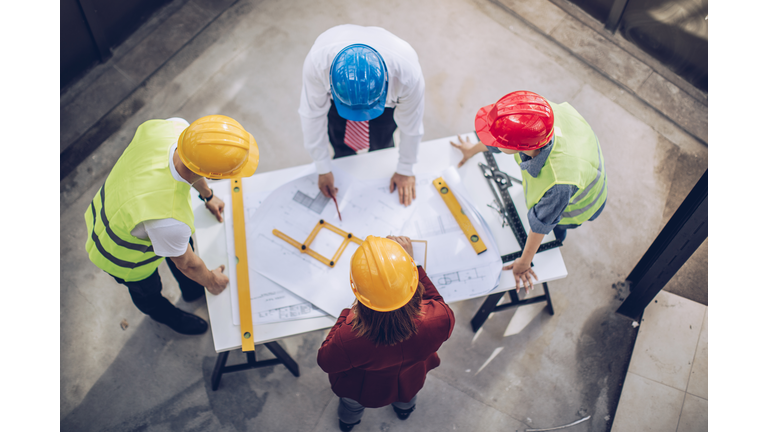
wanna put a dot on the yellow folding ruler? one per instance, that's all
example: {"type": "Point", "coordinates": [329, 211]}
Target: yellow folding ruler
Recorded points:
{"type": "Point", "coordinates": [305, 247]}
{"type": "Point", "coordinates": [241, 260]}
{"type": "Point", "coordinates": [458, 213]}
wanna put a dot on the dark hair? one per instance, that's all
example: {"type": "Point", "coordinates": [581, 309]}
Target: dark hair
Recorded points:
{"type": "Point", "coordinates": [388, 328]}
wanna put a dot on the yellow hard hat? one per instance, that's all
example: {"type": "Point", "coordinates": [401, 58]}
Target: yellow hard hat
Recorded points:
{"type": "Point", "coordinates": [382, 274]}
{"type": "Point", "coordinates": [218, 147]}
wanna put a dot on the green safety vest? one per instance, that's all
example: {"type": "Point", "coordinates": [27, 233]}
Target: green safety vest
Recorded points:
{"type": "Point", "coordinates": [575, 159]}
{"type": "Point", "coordinates": [140, 187]}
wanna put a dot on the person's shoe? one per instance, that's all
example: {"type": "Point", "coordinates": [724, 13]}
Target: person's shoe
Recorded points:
{"type": "Point", "coordinates": [346, 427]}
{"type": "Point", "coordinates": [403, 414]}
{"type": "Point", "coordinates": [186, 323]}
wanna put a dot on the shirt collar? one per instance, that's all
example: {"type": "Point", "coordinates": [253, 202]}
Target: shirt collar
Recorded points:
{"type": "Point", "coordinates": [534, 164]}
{"type": "Point", "coordinates": [174, 172]}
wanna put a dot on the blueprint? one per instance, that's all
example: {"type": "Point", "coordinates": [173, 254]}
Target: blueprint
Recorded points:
{"type": "Point", "coordinates": [291, 284]}
{"type": "Point", "coordinates": [295, 208]}
{"type": "Point", "coordinates": [455, 269]}
{"type": "Point", "coordinates": [269, 301]}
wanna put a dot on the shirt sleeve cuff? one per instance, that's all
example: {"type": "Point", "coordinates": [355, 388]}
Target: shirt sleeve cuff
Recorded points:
{"type": "Point", "coordinates": [537, 225]}
{"type": "Point", "coordinates": [323, 166]}
{"type": "Point", "coordinates": [404, 169]}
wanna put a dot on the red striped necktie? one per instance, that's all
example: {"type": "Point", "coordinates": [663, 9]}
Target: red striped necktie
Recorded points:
{"type": "Point", "coordinates": [356, 135]}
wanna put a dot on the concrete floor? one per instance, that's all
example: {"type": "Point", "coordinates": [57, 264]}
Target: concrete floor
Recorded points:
{"type": "Point", "coordinates": [243, 59]}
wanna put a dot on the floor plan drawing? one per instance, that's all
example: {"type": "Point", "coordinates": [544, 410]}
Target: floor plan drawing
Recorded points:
{"type": "Point", "coordinates": [295, 208]}
{"type": "Point", "coordinates": [316, 204]}
{"type": "Point", "coordinates": [456, 285]}
{"type": "Point", "coordinates": [292, 209]}
{"type": "Point", "coordinates": [368, 208]}
{"type": "Point", "coordinates": [292, 312]}
{"type": "Point", "coordinates": [267, 297]}
{"type": "Point", "coordinates": [436, 225]}
{"type": "Point", "coordinates": [459, 276]}
{"type": "Point", "coordinates": [456, 269]}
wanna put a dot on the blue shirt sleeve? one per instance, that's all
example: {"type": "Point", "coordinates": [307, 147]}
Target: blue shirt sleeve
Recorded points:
{"type": "Point", "coordinates": [546, 213]}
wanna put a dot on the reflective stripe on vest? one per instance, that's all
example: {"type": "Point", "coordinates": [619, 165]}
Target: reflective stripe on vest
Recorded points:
{"type": "Point", "coordinates": [597, 199]}
{"type": "Point", "coordinates": [575, 159]}
{"type": "Point", "coordinates": [139, 188]}
{"type": "Point", "coordinates": [120, 242]}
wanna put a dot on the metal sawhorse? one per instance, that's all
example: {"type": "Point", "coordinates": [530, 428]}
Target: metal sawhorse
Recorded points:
{"type": "Point", "coordinates": [282, 357]}
{"type": "Point", "coordinates": [491, 305]}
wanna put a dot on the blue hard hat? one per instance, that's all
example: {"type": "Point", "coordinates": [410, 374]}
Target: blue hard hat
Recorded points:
{"type": "Point", "coordinates": [359, 82]}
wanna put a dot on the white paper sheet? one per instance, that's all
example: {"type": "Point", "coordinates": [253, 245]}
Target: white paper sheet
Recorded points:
{"type": "Point", "coordinates": [420, 253]}
{"type": "Point", "coordinates": [295, 208]}
{"type": "Point", "coordinates": [367, 208]}
{"type": "Point", "coordinates": [269, 301]}
{"type": "Point", "coordinates": [454, 267]}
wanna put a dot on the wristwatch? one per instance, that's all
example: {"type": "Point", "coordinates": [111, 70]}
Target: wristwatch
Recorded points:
{"type": "Point", "coordinates": [206, 199]}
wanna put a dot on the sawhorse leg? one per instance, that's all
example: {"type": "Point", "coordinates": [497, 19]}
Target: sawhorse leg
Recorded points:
{"type": "Point", "coordinates": [490, 305]}
{"type": "Point", "coordinates": [282, 358]}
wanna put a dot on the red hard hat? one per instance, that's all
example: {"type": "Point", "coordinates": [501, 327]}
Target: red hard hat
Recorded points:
{"type": "Point", "coordinates": [521, 120]}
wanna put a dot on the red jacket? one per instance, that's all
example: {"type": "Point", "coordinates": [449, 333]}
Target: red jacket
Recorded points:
{"type": "Point", "coordinates": [376, 376]}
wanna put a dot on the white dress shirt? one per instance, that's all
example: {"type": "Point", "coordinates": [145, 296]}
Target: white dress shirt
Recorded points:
{"type": "Point", "coordinates": [405, 92]}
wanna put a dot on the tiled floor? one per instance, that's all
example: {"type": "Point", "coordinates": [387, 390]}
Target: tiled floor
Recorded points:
{"type": "Point", "coordinates": [666, 385]}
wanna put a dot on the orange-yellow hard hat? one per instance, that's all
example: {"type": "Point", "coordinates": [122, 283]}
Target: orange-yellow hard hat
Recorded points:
{"type": "Point", "coordinates": [382, 274]}
{"type": "Point", "coordinates": [218, 147]}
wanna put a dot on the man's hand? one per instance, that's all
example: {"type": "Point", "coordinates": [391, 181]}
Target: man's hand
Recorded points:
{"type": "Point", "coordinates": [325, 184]}
{"type": "Point", "coordinates": [194, 268]}
{"type": "Point", "coordinates": [406, 188]}
{"type": "Point", "coordinates": [216, 207]}
{"type": "Point", "coordinates": [468, 149]}
{"type": "Point", "coordinates": [218, 282]}
{"type": "Point", "coordinates": [523, 273]}
{"type": "Point", "coordinates": [403, 241]}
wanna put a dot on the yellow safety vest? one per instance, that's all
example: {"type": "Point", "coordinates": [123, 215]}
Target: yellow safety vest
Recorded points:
{"type": "Point", "coordinates": [140, 187]}
{"type": "Point", "coordinates": [575, 159]}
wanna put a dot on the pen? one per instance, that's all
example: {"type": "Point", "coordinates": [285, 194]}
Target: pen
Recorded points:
{"type": "Point", "coordinates": [337, 207]}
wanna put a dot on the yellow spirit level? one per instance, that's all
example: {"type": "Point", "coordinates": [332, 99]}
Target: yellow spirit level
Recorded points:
{"type": "Point", "coordinates": [241, 259]}
{"type": "Point", "coordinates": [458, 213]}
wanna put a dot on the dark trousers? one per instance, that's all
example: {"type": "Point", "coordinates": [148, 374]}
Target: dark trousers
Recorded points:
{"type": "Point", "coordinates": [146, 293]}
{"type": "Point", "coordinates": [350, 411]}
{"type": "Point", "coordinates": [380, 131]}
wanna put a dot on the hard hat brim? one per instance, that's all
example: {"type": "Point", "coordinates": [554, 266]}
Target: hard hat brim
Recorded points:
{"type": "Point", "coordinates": [483, 130]}
{"type": "Point", "coordinates": [390, 308]}
{"type": "Point", "coordinates": [483, 127]}
{"type": "Point", "coordinates": [366, 114]}
{"type": "Point", "coordinates": [250, 166]}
